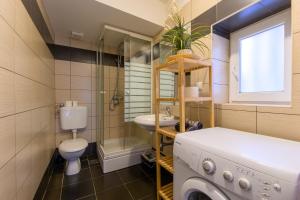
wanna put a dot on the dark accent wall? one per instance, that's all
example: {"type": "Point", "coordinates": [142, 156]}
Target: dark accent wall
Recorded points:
{"type": "Point", "coordinates": [80, 55]}
{"type": "Point", "coordinates": [251, 11]}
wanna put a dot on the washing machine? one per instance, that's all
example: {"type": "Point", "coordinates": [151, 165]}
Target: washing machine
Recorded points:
{"type": "Point", "coordinates": [225, 164]}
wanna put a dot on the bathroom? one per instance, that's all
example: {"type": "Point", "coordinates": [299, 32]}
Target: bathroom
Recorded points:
{"type": "Point", "coordinates": [98, 60]}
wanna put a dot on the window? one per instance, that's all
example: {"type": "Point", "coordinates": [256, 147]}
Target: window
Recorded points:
{"type": "Point", "coordinates": [260, 62]}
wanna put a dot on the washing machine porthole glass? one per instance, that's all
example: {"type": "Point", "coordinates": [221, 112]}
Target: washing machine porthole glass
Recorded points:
{"type": "Point", "coordinates": [197, 195]}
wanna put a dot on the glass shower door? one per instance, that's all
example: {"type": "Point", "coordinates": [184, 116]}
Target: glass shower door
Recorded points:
{"type": "Point", "coordinates": [137, 91]}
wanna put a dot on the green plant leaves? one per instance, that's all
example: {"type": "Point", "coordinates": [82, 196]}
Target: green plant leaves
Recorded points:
{"type": "Point", "coordinates": [180, 37]}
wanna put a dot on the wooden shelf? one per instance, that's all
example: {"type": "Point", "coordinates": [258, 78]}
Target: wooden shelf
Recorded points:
{"type": "Point", "coordinates": [190, 64]}
{"type": "Point", "coordinates": [169, 132]}
{"type": "Point", "coordinates": [187, 99]}
{"type": "Point", "coordinates": [166, 192]}
{"type": "Point", "coordinates": [197, 99]}
{"type": "Point", "coordinates": [167, 99]}
{"type": "Point", "coordinates": [177, 64]}
{"type": "Point", "coordinates": [167, 163]}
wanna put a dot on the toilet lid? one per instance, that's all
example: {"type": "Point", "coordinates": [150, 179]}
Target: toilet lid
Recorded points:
{"type": "Point", "coordinates": [73, 145]}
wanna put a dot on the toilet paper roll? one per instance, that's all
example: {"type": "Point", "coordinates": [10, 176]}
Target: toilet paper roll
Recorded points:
{"type": "Point", "coordinates": [199, 85]}
{"type": "Point", "coordinates": [68, 104]}
{"type": "Point", "coordinates": [75, 103]}
{"type": "Point", "coordinates": [191, 92]}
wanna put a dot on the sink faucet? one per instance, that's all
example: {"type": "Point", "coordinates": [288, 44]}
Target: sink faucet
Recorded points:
{"type": "Point", "coordinates": [168, 111]}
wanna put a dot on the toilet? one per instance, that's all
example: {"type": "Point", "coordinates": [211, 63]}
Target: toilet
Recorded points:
{"type": "Point", "coordinates": [73, 118]}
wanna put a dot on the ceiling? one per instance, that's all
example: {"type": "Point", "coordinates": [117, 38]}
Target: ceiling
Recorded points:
{"type": "Point", "coordinates": [89, 17]}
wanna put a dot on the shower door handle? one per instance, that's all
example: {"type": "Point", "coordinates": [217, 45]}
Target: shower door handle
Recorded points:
{"type": "Point", "coordinates": [102, 92]}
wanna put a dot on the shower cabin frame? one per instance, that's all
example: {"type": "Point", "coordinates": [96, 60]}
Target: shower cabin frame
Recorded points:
{"type": "Point", "coordinates": [126, 157]}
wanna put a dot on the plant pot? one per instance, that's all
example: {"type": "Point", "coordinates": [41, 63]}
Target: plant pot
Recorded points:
{"type": "Point", "coordinates": [185, 52]}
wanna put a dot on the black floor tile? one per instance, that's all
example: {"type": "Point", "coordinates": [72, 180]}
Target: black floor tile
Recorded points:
{"type": "Point", "coordinates": [84, 164]}
{"type": "Point", "coordinates": [94, 162]}
{"type": "Point", "coordinates": [96, 171]}
{"type": "Point", "coordinates": [107, 181]}
{"type": "Point", "coordinates": [116, 193]}
{"type": "Point", "coordinates": [90, 197]}
{"type": "Point", "coordinates": [59, 168]}
{"type": "Point", "coordinates": [141, 188]}
{"type": "Point", "coordinates": [93, 157]}
{"type": "Point", "coordinates": [131, 174]}
{"type": "Point", "coordinates": [78, 190]}
{"type": "Point", "coordinates": [150, 197]}
{"type": "Point", "coordinates": [55, 181]}
{"type": "Point", "coordinates": [52, 194]}
{"type": "Point", "coordinates": [83, 175]}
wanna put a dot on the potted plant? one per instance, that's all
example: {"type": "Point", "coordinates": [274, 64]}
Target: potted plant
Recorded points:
{"type": "Point", "coordinates": [180, 38]}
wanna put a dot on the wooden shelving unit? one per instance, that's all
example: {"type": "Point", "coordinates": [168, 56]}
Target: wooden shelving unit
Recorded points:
{"type": "Point", "coordinates": [179, 64]}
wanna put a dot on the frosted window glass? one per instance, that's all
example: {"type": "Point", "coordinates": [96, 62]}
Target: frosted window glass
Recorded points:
{"type": "Point", "coordinates": [262, 61]}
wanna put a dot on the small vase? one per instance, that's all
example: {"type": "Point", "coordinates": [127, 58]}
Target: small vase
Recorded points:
{"type": "Point", "coordinates": [185, 52]}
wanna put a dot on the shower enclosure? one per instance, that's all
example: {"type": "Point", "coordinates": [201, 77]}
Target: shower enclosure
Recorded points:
{"type": "Point", "coordinates": [123, 92]}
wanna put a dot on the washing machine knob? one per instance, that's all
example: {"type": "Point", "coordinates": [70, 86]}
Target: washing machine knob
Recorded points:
{"type": "Point", "coordinates": [244, 184]}
{"type": "Point", "coordinates": [209, 166]}
{"type": "Point", "coordinates": [228, 176]}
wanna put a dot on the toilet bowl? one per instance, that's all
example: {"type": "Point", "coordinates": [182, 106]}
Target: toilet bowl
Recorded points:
{"type": "Point", "coordinates": [73, 118]}
{"type": "Point", "coordinates": [71, 150]}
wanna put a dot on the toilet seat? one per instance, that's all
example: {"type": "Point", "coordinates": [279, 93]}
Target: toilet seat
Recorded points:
{"type": "Point", "coordinates": [73, 145]}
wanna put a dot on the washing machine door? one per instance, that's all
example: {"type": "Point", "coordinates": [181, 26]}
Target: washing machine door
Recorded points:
{"type": "Point", "coordinates": [200, 189]}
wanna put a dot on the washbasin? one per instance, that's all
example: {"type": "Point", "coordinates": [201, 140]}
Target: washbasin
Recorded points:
{"type": "Point", "coordinates": [148, 121]}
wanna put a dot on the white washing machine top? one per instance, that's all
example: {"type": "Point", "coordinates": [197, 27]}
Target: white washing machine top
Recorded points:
{"type": "Point", "coordinates": [247, 164]}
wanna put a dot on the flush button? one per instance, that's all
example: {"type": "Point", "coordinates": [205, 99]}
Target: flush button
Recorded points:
{"type": "Point", "coordinates": [277, 187]}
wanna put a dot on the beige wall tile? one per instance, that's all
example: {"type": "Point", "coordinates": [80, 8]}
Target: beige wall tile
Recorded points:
{"type": "Point", "coordinates": [24, 93]}
{"type": "Point", "coordinates": [82, 96]}
{"type": "Point", "coordinates": [81, 83]}
{"type": "Point", "coordinates": [8, 180]}
{"type": "Point", "coordinates": [236, 107]}
{"type": "Point", "coordinates": [8, 11]}
{"type": "Point", "coordinates": [116, 132]}
{"type": "Point", "coordinates": [94, 136]}
{"type": "Point", "coordinates": [81, 69]}
{"type": "Point", "coordinates": [199, 6]}
{"type": "Point", "coordinates": [62, 67]}
{"type": "Point", "coordinates": [7, 91]}
{"type": "Point", "coordinates": [62, 82]}
{"type": "Point", "coordinates": [220, 72]}
{"type": "Point", "coordinates": [116, 120]}
{"type": "Point", "coordinates": [62, 96]}
{"type": "Point", "coordinates": [24, 26]}
{"type": "Point", "coordinates": [296, 53]}
{"type": "Point", "coordinates": [240, 120]}
{"type": "Point", "coordinates": [296, 15]}
{"type": "Point", "coordinates": [23, 130]}
{"type": "Point", "coordinates": [23, 165]}
{"type": "Point", "coordinates": [94, 70]}
{"type": "Point", "coordinates": [295, 104]}
{"type": "Point", "coordinates": [7, 139]}
{"type": "Point", "coordinates": [220, 48]}
{"type": "Point", "coordinates": [27, 190]}
{"type": "Point", "coordinates": [220, 93]}
{"type": "Point", "coordinates": [94, 83]}
{"type": "Point", "coordinates": [85, 134]}
{"type": "Point", "coordinates": [6, 45]}
{"type": "Point", "coordinates": [279, 125]}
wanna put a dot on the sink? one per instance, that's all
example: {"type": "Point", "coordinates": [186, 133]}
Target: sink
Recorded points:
{"type": "Point", "coordinates": [148, 121]}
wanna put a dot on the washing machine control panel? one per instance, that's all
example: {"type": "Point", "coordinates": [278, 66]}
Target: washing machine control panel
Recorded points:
{"type": "Point", "coordinates": [242, 180]}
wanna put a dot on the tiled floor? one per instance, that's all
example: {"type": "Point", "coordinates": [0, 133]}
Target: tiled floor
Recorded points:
{"type": "Point", "coordinates": [132, 183]}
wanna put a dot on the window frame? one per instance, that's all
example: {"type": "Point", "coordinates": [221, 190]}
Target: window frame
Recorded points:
{"type": "Point", "coordinates": [278, 97]}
